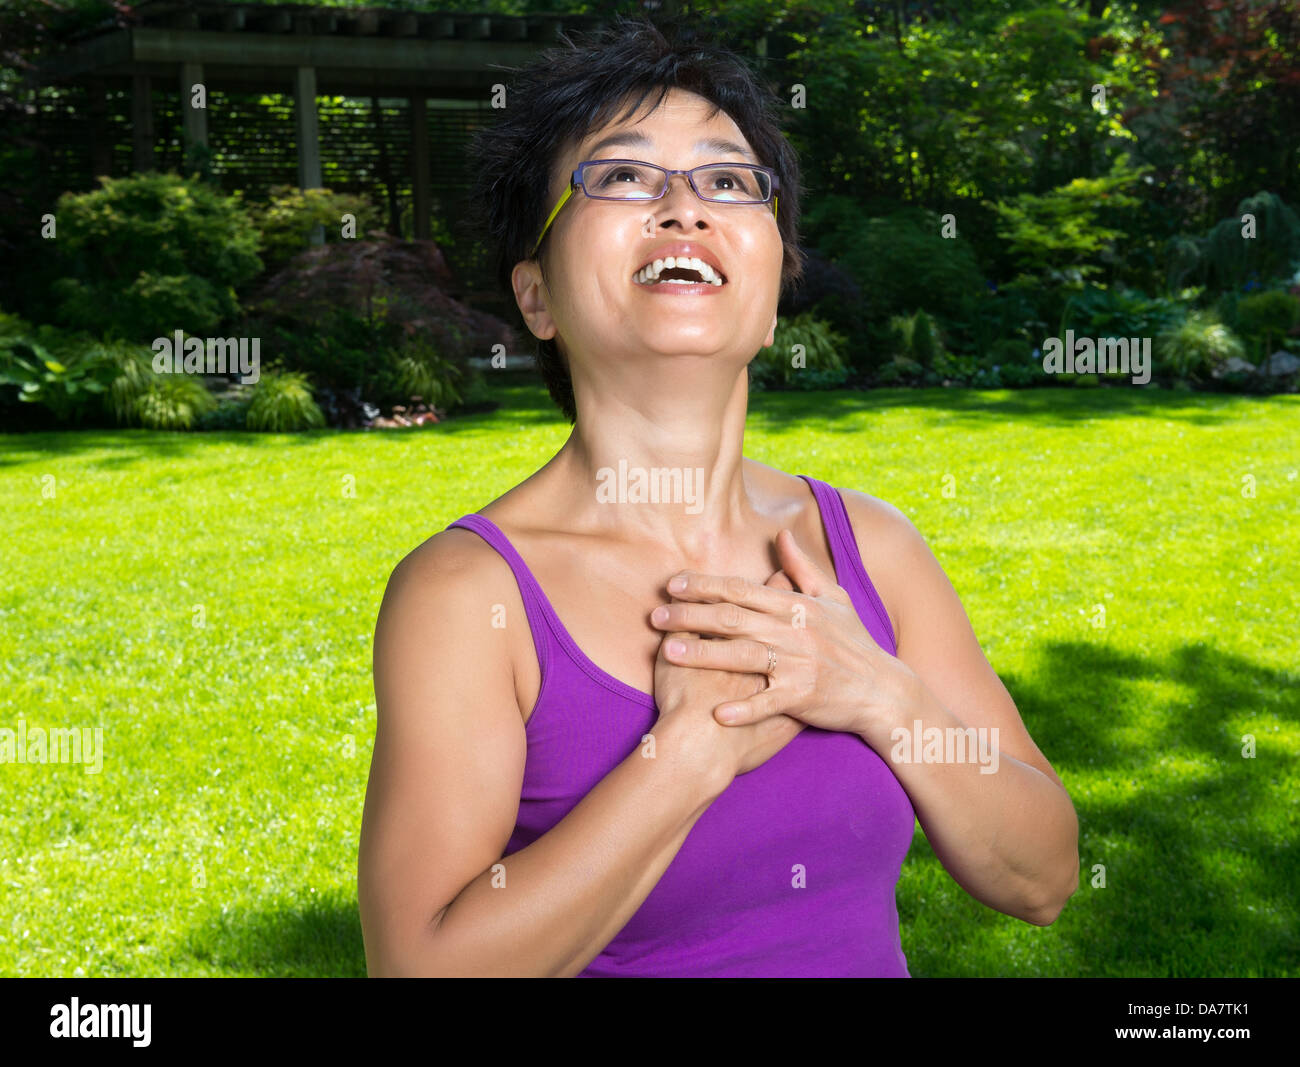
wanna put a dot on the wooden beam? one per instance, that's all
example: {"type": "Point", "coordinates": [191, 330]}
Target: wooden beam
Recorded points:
{"type": "Point", "coordinates": [194, 120]}
{"type": "Point", "coordinates": [338, 52]}
{"type": "Point", "coordinates": [420, 204]}
{"type": "Point", "coordinates": [111, 49]}
{"type": "Point", "coordinates": [101, 141]}
{"type": "Point", "coordinates": [142, 136]}
{"type": "Point", "coordinates": [307, 125]}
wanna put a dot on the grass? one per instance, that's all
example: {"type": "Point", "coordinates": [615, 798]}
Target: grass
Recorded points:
{"type": "Point", "coordinates": [209, 600]}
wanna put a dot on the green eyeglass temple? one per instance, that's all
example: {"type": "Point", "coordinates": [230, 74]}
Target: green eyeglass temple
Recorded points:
{"type": "Point", "coordinates": [576, 179]}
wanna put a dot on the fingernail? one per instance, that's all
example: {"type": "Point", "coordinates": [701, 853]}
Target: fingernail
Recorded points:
{"type": "Point", "coordinates": [660, 614]}
{"type": "Point", "coordinates": [676, 648]}
{"type": "Point", "coordinates": [676, 585]}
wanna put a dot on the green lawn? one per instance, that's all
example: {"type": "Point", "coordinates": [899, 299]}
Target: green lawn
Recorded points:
{"type": "Point", "coordinates": [220, 836]}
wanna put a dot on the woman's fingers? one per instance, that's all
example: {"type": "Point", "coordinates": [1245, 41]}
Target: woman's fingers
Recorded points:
{"type": "Point", "coordinates": [780, 581]}
{"type": "Point", "coordinates": [739, 655]}
{"type": "Point", "coordinates": [761, 706]}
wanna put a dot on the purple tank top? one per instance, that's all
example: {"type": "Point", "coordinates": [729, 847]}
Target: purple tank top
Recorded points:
{"type": "Point", "coordinates": [790, 872]}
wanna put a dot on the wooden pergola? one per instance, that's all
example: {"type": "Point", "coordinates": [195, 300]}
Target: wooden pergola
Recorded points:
{"type": "Point", "coordinates": [306, 51]}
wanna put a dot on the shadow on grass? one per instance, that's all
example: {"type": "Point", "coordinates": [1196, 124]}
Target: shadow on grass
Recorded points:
{"type": "Point", "coordinates": [1201, 867]}
{"type": "Point", "coordinates": [1047, 407]}
{"type": "Point", "coordinates": [520, 406]}
{"type": "Point", "coordinates": [320, 939]}
{"type": "Point", "coordinates": [530, 405]}
{"type": "Point", "coordinates": [1199, 844]}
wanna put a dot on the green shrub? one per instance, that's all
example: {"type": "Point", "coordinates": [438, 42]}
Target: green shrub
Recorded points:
{"type": "Point", "coordinates": [1121, 312]}
{"type": "Point", "coordinates": [1059, 236]}
{"type": "Point", "coordinates": [1197, 345]}
{"type": "Point", "coordinates": [900, 371]}
{"type": "Point", "coordinates": [916, 337]}
{"type": "Point", "coordinates": [1225, 256]}
{"type": "Point", "coordinates": [151, 253]}
{"type": "Point", "coordinates": [352, 360]}
{"type": "Point", "coordinates": [289, 215]}
{"type": "Point", "coordinates": [282, 403]}
{"type": "Point", "coordinates": [1006, 352]}
{"type": "Point", "coordinates": [230, 413]}
{"type": "Point", "coordinates": [896, 256]}
{"type": "Point", "coordinates": [1020, 375]}
{"type": "Point", "coordinates": [1265, 318]}
{"type": "Point", "coordinates": [423, 372]}
{"type": "Point", "coordinates": [962, 369]}
{"type": "Point", "coordinates": [173, 402]}
{"type": "Point", "coordinates": [805, 354]}
{"type": "Point", "coordinates": [134, 378]}
{"type": "Point", "coordinates": [67, 373]}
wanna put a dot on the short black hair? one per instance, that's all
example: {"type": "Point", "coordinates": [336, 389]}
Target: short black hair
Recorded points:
{"type": "Point", "coordinates": [568, 91]}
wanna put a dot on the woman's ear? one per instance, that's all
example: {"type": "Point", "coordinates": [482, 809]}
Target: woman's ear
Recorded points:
{"type": "Point", "coordinates": [530, 295]}
{"type": "Point", "coordinates": [771, 334]}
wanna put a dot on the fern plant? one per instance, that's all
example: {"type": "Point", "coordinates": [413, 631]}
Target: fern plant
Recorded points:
{"type": "Point", "coordinates": [424, 372]}
{"type": "Point", "coordinates": [282, 403]}
{"type": "Point", "coordinates": [1197, 345]}
{"type": "Point", "coordinates": [805, 354]}
{"type": "Point", "coordinates": [173, 402]}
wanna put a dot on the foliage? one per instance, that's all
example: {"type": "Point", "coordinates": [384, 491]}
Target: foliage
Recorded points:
{"type": "Point", "coordinates": [289, 215]}
{"type": "Point", "coordinates": [173, 402]}
{"type": "Point", "coordinates": [805, 354]}
{"type": "Point", "coordinates": [929, 106]}
{"type": "Point", "coordinates": [1196, 346]}
{"type": "Point", "coordinates": [897, 257]}
{"type": "Point", "coordinates": [66, 373]}
{"type": "Point", "coordinates": [1265, 318]}
{"type": "Point", "coordinates": [149, 254]}
{"type": "Point", "coordinates": [916, 337]}
{"type": "Point", "coordinates": [405, 284]}
{"type": "Point", "coordinates": [354, 361]}
{"type": "Point", "coordinates": [230, 413]}
{"type": "Point", "coordinates": [424, 373]}
{"type": "Point", "coordinates": [829, 291]}
{"type": "Point", "coordinates": [282, 403]}
{"type": "Point", "coordinates": [1225, 118]}
{"type": "Point", "coordinates": [1057, 237]}
{"type": "Point", "coordinates": [1121, 312]}
{"type": "Point", "coordinates": [140, 396]}
{"type": "Point", "coordinates": [1230, 252]}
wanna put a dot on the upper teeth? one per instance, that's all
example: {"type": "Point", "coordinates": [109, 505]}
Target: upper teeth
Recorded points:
{"type": "Point", "coordinates": [651, 271]}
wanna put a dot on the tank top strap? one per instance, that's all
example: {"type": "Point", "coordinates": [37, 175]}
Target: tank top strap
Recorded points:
{"type": "Point", "coordinates": [850, 571]}
{"type": "Point", "coordinates": [536, 606]}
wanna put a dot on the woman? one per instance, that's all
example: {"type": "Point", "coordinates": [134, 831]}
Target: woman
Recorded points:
{"type": "Point", "coordinates": [555, 789]}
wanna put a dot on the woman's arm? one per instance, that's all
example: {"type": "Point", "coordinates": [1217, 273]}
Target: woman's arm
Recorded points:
{"type": "Point", "coordinates": [1009, 838]}
{"type": "Point", "coordinates": [437, 898]}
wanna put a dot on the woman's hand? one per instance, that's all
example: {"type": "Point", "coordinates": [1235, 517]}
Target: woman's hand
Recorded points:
{"type": "Point", "coordinates": [829, 673]}
{"type": "Point", "coordinates": [692, 694]}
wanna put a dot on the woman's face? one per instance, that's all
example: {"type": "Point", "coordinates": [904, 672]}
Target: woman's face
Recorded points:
{"type": "Point", "coordinates": [590, 300]}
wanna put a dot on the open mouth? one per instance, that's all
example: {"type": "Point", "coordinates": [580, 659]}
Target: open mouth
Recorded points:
{"type": "Point", "coordinates": [681, 271]}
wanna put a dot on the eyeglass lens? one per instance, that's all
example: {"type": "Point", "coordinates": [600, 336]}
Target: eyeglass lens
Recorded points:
{"type": "Point", "coordinates": [734, 182]}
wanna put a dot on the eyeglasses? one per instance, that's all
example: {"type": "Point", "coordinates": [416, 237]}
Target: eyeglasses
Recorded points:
{"type": "Point", "coordinates": [631, 179]}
